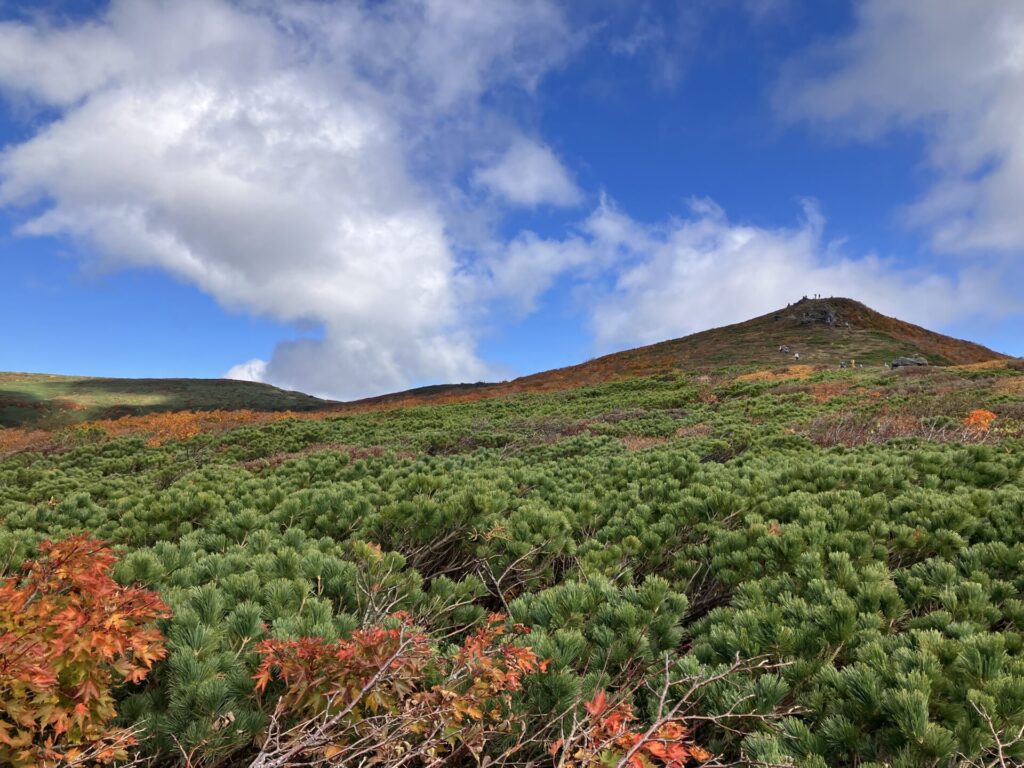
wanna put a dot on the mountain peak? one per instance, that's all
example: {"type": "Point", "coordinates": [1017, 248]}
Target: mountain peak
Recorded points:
{"type": "Point", "coordinates": [822, 331]}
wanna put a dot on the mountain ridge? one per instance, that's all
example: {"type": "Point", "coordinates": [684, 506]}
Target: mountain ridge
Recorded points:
{"type": "Point", "coordinates": [825, 331]}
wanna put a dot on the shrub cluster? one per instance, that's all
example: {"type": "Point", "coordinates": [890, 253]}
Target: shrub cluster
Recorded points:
{"type": "Point", "coordinates": [725, 582]}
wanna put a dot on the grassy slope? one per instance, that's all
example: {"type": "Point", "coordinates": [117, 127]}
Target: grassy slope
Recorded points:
{"type": "Point", "coordinates": [47, 401]}
{"type": "Point", "coordinates": [869, 338]}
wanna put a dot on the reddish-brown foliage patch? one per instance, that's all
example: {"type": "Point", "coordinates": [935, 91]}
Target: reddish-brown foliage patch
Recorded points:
{"type": "Point", "coordinates": [181, 425]}
{"type": "Point", "coordinates": [979, 420]}
{"type": "Point", "coordinates": [853, 429]}
{"type": "Point", "coordinates": [388, 694]}
{"type": "Point", "coordinates": [694, 430]}
{"type": "Point", "coordinates": [15, 439]}
{"type": "Point", "coordinates": [823, 391]}
{"type": "Point", "coordinates": [612, 735]}
{"type": "Point", "coordinates": [639, 442]}
{"type": "Point", "coordinates": [1014, 386]}
{"type": "Point", "coordinates": [982, 366]}
{"type": "Point", "coordinates": [68, 634]}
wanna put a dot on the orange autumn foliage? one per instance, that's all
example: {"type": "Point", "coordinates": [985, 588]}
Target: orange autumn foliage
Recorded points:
{"type": "Point", "coordinates": [785, 374]}
{"type": "Point", "coordinates": [612, 735]}
{"type": "Point", "coordinates": [392, 692]}
{"type": "Point", "coordinates": [14, 439]}
{"type": "Point", "coordinates": [181, 425]}
{"type": "Point", "coordinates": [979, 420]}
{"type": "Point", "coordinates": [68, 634]}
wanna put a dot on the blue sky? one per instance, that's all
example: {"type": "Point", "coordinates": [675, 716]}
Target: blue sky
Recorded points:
{"type": "Point", "coordinates": [350, 198]}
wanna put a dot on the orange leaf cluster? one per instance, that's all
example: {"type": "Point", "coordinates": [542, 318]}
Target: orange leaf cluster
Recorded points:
{"type": "Point", "coordinates": [611, 736]}
{"type": "Point", "coordinates": [68, 634]}
{"type": "Point", "coordinates": [979, 420]}
{"type": "Point", "coordinates": [395, 689]}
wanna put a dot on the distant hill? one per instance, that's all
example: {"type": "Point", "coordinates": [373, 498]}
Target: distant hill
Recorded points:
{"type": "Point", "coordinates": [823, 331]}
{"type": "Point", "coordinates": [49, 401]}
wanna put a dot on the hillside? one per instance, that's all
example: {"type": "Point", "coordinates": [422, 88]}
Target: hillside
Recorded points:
{"type": "Point", "coordinates": [47, 401]}
{"type": "Point", "coordinates": [821, 568]}
{"type": "Point", "coordinates": [823, 331]}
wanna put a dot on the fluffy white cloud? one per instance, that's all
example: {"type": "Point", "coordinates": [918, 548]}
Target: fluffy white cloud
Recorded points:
{"type": "Point", "coordinates": [308, 161]}
{"type": "Point", "coordinates": [529, 174]}
{"type": "Point", "coordinates": [250, 370]}
{"type": "Point", "coordinates": [528, 266]}
{"type": "Point", "coordinates": [642, 283]}
{"type": "Point", "coordinates": [955, 72]}
{"type": "Point", "coordinates": [270, 155]}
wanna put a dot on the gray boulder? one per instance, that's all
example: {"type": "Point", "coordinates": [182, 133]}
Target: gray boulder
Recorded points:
{"type": "Point", "coordinates": [901, 362]}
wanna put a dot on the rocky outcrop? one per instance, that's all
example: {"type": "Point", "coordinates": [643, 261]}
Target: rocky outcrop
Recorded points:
{"type": "Point", "coordinates": [903, 362]}
{"type": "Point", "coordinates": [816, 312]}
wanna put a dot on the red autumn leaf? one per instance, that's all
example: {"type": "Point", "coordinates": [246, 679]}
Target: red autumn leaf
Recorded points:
{"type": "Point", "coordinates": [597, 705]}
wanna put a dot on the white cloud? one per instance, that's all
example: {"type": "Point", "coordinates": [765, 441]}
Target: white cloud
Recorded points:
{"type": "Point", "coordinates": [528, 266]}
{"type": "Point", "coordinates": [954, 71]}
{"type": "Point", "coordinates": [529, 174]}
{"type": "Point", "coordinates": [644, 283]}
{"type": "Point", "coordinates": [251, 370]}
{"type": "Point", "coordinates": [270, 154]}
{"type": "Point", "coordinates": [302, 161]}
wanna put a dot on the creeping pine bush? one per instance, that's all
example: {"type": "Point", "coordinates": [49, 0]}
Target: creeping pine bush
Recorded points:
{"type": "Point", "coordinates": [859, 604]}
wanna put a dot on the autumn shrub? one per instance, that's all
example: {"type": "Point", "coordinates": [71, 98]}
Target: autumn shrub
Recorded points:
{"type": "Point", "coordinates": [391, 696]}
{"type": "Point", "coordinates": [163, 426]}
{"type": "Point", "coordinates": [863, 427]}
{"type": "Point", "coordinates": [68, 635]}
{"type": "Point", "coordinates": [979, 420]}
{"type": "Point", "coordinates": [611, 734]}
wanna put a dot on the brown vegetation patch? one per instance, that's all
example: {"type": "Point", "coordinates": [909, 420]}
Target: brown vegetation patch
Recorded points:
{"type": "Point", "coordinates": [820, 392]}
{"type": "Point", "coordinates": [1014, 386]}
{"type": "Point", "coordinates": [985, 365]}
{"type": "Point", "coordinates": [694, 430]}
{"type": "Point", "coordinates": [640, 442]}
{"type": "Point", "coordinates": [823, 391]}
{"type": "Point", "coordinates": [788, 373]}
{"type": "Point", "coordinates": [852, 429]}
{"type": "Point", "coordinates": [354, 452]}
{"type": "Point", "coordinates": [16, 439]}
{"type": "Point", "coordinates": [181, 425]}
